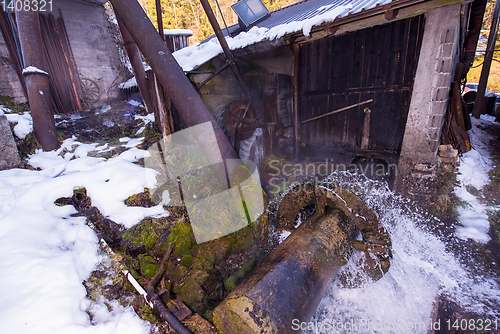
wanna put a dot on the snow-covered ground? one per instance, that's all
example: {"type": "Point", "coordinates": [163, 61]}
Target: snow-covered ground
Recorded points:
{"type": "Point", "coordinates": [473, 171]}
{"type": "Point", "coordinates": [45, 253]}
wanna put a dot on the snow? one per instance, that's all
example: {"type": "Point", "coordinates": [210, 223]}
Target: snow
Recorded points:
{"type": "Point", "coordinates": [130, 83]}
{"type": "Point", "coordinates": [135, 103]}
{"type": "Point", "coordinates": [146, 119]}
{"type": "Point", "coordinates": [103, 109]}
{"type": "Point", "coordinates": [45, 253]}
{"type": "Point", "coordinates": [197, 54]}
{"type": "Point", "coordinates": [5, 109]}
{"type": "Point", "coordinates": [175, 32]}
{"type": "Point", "coordinates": [24, 124]}
{"type": "Point", "coordinates": [32, 70]}
{"type": "Point", "coordinates": [473, 171]}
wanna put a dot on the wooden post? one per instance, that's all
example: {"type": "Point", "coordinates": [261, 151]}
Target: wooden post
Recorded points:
{"type": "Point", "coordinates": [488, 57]}
{"type": "Point", "coordinates": [295, 88]}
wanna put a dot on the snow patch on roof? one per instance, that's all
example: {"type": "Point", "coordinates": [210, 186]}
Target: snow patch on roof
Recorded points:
{"type": "Point", "coordinates": [197, 54]}
{"type": "Point", "coordinates": [175, 32]}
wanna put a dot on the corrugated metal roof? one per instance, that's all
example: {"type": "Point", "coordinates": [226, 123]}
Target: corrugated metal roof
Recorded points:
{"type": "Point", "coordinates": [309, 9]}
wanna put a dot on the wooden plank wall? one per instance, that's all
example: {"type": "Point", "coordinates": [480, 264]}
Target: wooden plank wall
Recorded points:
{"type": "Point", "coordinates": [377, 63]}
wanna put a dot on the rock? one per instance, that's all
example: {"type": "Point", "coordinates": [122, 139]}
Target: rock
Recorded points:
{"type": "Point", "coordinates": [198, 325]}
{"type": "Point", "coordinates": [448, 154]}
{"type": "Point", "coordinates": [148, 265]}
{"type": "Point", "coordinates": [9, 156]}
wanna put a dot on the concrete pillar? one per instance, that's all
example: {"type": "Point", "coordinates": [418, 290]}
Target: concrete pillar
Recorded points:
{"type": "Point", "coordinates": [416, 174]}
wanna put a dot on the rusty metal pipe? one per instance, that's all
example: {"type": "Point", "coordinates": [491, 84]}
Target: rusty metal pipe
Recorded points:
{"type": "Point", "coordinates": [177, 86]}
{"type": "Point", "coordinates": [39, 95]}
{"type": "Point", "coordinates": [137, 66]}
{"type": "Point", "coordinates": [290, 283]}
{"type": "Point", "coordinates": [227, 52]}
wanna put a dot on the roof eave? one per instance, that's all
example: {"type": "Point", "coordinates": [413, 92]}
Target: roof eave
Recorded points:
{"type": "Point", "coordinates": [397, 10]}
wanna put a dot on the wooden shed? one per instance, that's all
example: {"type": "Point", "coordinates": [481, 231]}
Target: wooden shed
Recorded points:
{"type": "Point", "coordinates": [387, 66]}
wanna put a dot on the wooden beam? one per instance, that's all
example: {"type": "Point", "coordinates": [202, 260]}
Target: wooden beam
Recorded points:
{"type": "Point", "coordinates": [488, 57]}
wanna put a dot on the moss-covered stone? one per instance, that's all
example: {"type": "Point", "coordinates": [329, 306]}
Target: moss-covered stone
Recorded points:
{"type": "Point", "coordinates": [146, 233]}
{"type": "Point", "coordinates": [187, 260]}
{"type": "Point", "coordinates": [233, 280]}
{"type": "Point", "coordinates": [182, 239]}
{"type": "Point", "coordinates": [141, 199]}
{"type": "Point", "coordinates": [148, 265]}
{"type": "Point", "coordinates": [214, 251]}
{"type": "Point", "coordinates": [241, 240]}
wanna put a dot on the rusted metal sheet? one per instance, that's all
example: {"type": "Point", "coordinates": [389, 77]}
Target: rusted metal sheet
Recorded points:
{"type": "Point", "coordinates": [64, 78]}
{"type": "Point", "coordinates": [37, 83]}
{"type": "Point", "coordinates": [177, 86]}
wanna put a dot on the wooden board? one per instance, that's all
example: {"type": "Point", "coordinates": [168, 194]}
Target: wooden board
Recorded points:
{"type": "Point", "coordinates": [376, 63]}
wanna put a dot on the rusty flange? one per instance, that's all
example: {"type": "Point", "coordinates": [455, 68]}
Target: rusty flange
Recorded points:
{"type": "Point", "coordinates": [376, 239]}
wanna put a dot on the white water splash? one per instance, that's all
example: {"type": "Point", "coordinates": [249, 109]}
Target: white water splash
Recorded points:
{"type": "Point", "coordinates": [257, 143]}
{"type": "Point", "coordinates": [421, 270]}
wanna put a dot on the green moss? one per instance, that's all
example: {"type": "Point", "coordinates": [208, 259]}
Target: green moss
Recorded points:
{"type": "Point", "coordinates": [182, 239]}
{"type": "Point", "coordinates": [8, 102]}
{"type": "Point", "coordinates": [146, 313]}
{"type": "Point", "coordinates": [214, 251]}
{"type": "Point", "coordinates": [233, 280]}
{"type": "Point", "coordinates": [146, 233]}
{"type": "Point", "coordinates": [494, 218]}
{"type": "Point", "coordinates": [187, 260]}
{"type": "Point", "coordinates": [148, 265]}
{"type": "Point", "coordinates": [241, 240]}
{"type": "Point", "coordinates": [141, 199]}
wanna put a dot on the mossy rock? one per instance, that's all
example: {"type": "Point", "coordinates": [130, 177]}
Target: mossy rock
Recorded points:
{"type": "Point", "coordinates": [214, 251]}
{"type": "Point", "coordinates": [201, 284]}
{"type": "Point", "coordinates": [187, 260]}
{"type": "Point", "coordinates": [146, 233]}
{"type": "Point", "coordinates": [182, 239]}
{"type": "Point", "coordinates": [241, 240]}
{"type": "Point", "coordinates": [148, 265]}
{"type": "Point", "coordinates": [141, 199]}
{"type": "Point", "coordinates": [192, 294]}
{"type": "Point", "coordinates": [177, 276]}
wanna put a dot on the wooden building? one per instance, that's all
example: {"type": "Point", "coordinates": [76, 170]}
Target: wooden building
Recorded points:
{"type": "Point", "coordinates": [389, 64]}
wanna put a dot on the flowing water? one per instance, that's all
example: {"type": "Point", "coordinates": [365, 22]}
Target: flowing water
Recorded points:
{"type": "Point", "coordinates": [422, 269]}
